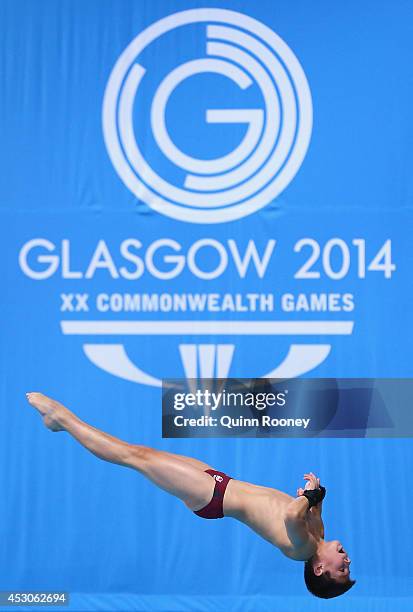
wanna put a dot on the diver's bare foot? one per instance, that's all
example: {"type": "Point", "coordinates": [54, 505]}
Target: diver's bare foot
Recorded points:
{"type": "Point", "coordinates": [53, 413]}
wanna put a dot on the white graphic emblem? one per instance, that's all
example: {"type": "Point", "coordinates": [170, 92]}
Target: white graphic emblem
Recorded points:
{"type": "Point", "coordinates": [205, 360]}
{"type": "Point", "coordinates": [276, 139]}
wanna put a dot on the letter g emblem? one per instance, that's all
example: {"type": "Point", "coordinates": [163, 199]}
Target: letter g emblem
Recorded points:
{"type": "Point", "coordinates": [276, 137]}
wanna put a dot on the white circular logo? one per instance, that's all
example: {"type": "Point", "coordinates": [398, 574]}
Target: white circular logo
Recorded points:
{"type": "Point", "coordinates": [276, 136]}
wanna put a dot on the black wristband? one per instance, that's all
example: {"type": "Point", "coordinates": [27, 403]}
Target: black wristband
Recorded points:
{"type": "Point", "coordinates": [315, 496]}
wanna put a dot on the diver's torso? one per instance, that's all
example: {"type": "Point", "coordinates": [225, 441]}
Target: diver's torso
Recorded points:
{"type": "Point", "coordinates": [263, 510]}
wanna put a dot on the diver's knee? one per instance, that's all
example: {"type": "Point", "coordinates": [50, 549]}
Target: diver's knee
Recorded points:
{"type": "Point", "coordinates": [141, 456]}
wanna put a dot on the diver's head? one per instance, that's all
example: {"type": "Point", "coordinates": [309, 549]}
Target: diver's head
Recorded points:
{"type": "Point", "coordinates": [327, 573]}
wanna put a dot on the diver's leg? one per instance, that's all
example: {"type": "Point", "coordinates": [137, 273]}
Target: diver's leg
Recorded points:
{"type": "Point", "coordinates": [183, 477]}
{"type": "Point", "coordinates": [200, 465]}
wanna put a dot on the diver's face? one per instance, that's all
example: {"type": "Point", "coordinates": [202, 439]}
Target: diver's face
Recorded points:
{"type": "Point", "coordinates": [336, 561]}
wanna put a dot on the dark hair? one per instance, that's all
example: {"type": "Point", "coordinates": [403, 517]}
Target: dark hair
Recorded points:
{"type": "Point", "coordinates": [324, 586]}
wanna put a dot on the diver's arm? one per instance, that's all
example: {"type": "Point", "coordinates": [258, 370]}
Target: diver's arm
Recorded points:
{"type": "Point", "coordinates": [298, 508]}
{"type": "Point", "coordinates": [295, 522]}
{"type": "Point", "coordinates": [318, 521]}
{"type": "Point", "coordinates": [313, 483]}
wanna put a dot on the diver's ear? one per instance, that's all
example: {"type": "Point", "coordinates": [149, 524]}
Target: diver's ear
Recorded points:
{"type": "Point", "coordinates": [318, 568]}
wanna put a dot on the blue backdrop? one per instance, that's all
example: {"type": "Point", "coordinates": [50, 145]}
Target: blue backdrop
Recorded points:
{"type": "Point", "coordinates": [268, 149]}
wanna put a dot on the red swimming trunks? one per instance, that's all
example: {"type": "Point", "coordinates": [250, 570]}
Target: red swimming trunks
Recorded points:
{"type": "Point", "coordinates": [215, 508]}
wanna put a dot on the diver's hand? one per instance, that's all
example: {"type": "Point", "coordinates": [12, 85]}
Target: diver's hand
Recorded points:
{"type": "Point", "coordinates": [313, 491]}
{"type": "Point", "coordinates": [312, 482]}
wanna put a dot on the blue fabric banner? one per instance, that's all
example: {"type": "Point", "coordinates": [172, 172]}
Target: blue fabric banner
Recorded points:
{"type": "Point", "coordinates": [198, 190]}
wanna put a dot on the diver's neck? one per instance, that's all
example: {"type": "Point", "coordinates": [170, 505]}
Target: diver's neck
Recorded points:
{"type": "Point", "coordinates": [321, 543]}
